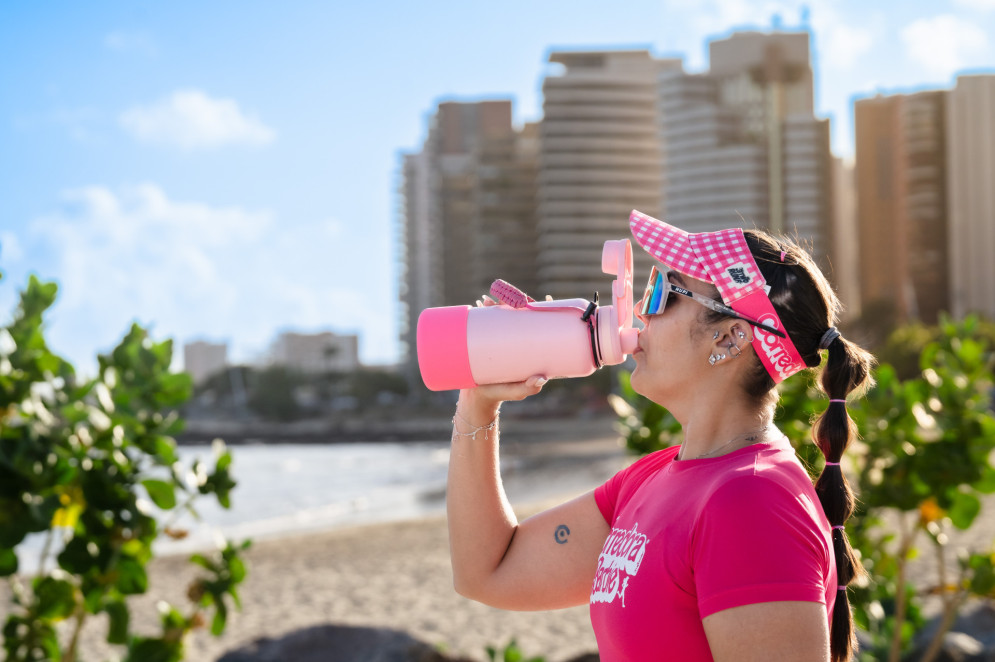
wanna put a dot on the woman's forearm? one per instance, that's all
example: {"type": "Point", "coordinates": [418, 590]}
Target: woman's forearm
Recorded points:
{"type": "Point", "coordinates": [481, 520]}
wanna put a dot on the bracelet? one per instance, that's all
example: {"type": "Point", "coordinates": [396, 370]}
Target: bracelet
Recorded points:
{"type": "Point", "coordinates": [473, 435]}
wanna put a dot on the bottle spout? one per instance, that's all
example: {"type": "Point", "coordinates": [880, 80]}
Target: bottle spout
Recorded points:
{"type": "Point", "coordinates": [630, 340]}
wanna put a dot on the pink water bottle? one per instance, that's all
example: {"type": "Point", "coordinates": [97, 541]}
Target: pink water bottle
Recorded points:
{"type": "Point", "coordinates": [463, 346]}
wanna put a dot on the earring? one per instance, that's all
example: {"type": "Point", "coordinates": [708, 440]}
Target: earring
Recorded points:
{"type": "Point", "coordinates": [737, 353]}
{"type": "Point", "coordinates": [741, 335]}
{"type": "Point", "coordinates": [713, 359]}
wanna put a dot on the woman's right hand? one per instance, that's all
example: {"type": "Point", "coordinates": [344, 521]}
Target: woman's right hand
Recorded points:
{"type": "Point", "coordinates": [494, 394]}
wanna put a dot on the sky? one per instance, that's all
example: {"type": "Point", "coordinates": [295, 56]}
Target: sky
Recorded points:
{"type": "Point", "coordinates": [225, 171]}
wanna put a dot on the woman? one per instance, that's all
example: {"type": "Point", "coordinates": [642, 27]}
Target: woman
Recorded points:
{"type": "Point", "coordinates": [720, 549]}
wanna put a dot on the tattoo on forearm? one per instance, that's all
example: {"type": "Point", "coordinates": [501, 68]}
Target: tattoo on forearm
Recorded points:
{"type": "Point", "coordinates": [561, 534]}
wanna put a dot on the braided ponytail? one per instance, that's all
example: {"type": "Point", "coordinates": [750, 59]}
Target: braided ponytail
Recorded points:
{"type": "Point", "coordinates": [808, 307]}
{"type": "Point", "coordinates": [847, 369]}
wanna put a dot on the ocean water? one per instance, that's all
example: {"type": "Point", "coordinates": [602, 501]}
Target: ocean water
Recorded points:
{"type": "Point", "coordinates": [295, 488]}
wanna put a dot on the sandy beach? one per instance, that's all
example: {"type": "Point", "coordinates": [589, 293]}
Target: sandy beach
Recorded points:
{"type": "Point", "coordinates": [394, 575]}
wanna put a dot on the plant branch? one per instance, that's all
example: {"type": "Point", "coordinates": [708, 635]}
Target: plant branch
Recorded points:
{"type": "Point", "coordinates": [46, 548]}
{"type": "Point", "coordinates": [70, 655]}
{"type": "Point", "coordinates": [907, 539]}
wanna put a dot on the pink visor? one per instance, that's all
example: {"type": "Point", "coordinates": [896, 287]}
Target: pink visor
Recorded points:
{"type": "Point", "coordinates": [723, 259]}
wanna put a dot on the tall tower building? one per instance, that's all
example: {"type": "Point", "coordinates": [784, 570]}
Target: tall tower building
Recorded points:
{"type": "Point", "coordinates": [454, 147]}
{"type": "Point", "coordinates": [467, 211]}
{"type": "Point", "coordinates": [846, 249]}
{"type": "Point", "coordinates": [970, 124]}
{"type": "Point", "coordinates": [743, 148]}
{"type": "Point", "coordinates": [600, 157]}
{"type": "Point", "coordinates": [901, 205]}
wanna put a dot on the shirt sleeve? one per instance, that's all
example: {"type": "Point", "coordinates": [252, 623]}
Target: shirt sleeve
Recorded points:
{"type": "Point", "coordinates": [616, 490]}
{"type": "Point", "coordinates": [757, 542]}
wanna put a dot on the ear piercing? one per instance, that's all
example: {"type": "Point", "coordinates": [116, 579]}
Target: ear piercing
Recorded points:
{"type": "Point", "coordinates": [716, 336]}
{"type": "Point", "coordinates": [715, 358]}
{"type": "Point", "coordinates": [741, 335]}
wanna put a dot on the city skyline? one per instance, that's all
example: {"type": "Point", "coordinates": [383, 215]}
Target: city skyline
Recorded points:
{"type": "Point", "coordinates": [227, 173]}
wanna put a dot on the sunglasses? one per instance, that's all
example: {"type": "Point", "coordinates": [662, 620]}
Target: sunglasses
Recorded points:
{"type": "Point", "coordinates": [659, 291]}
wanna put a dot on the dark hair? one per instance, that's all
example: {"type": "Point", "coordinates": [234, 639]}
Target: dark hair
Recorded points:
{"type": "Point", "coordinates": [808, 307]}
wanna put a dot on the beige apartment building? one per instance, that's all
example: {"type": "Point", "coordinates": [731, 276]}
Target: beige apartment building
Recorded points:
{"type": "Point", "coordinates": [467, 211]}
{"type": "Point", "coordinates": [315, 352]}
{"type": "Point", "coordinates": [901, 181]}
{"type": "Point", "coordinates": [204, 359]}
{"type": "Point", "coordinates": [970, 153]}
{"type": "Point", "coordinates": [600, 157]}
{"type": "Point", "coordinates": [743, 147]}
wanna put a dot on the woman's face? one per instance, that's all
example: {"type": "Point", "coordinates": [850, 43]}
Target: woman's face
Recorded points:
{"type": "Point", "coordinates": [673, 347]}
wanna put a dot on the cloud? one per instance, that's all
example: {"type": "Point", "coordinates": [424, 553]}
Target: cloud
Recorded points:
{"type": "Point", "coordinates": [977, 5]}
{"type": "Point", "coordinates": [841, 44]}
{"type": "Point", "coordinates": [944, 44]}
{"type": "Point", "coordinates": [123, 41]}
{"type": "Point", "coordinates": [189, 119]}
{"type": "Point", "coordinates": [10, 249]}
{"type": "Point", "coordinates": [192, 270]}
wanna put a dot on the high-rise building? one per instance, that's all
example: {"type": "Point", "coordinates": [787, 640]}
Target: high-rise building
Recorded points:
{"type": "Point", "coordinates": [845, 249]}
{"type": "Point", "coordinates": [467, 211]}
{"type": "Point", "coordinates": [901, 180]}
{"type": "Point", "coordinates": [600, 158]}
{"type": "Point", "coordinates": [970, 125]}
{"type": "Point", "coordinates": [742, 145]}
{"type": "Point", "coordinates": [203, 359]}
{"type": "Point", "coordinates": [316, 352]}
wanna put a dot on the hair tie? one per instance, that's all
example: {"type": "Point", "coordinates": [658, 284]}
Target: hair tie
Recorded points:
{"type": "Point", "coordinates": [841, 588]}
{"type": "Point", "coordinates": [783, 253]}
{"type": "Point", "coordinates": [838, 400]}
{"type": "Point", "coordinates": [828, 337]}
{"type": "Point", "coordinates": [838, 526]}
{"type": "Point", "coordinates": [832, 464]}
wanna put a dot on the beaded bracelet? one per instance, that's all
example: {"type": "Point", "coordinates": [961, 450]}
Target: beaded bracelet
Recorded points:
{"type": "Point", "coordinates": [473, 435]}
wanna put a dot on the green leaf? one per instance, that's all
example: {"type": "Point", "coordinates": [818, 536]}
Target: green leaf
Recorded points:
{"type": "Point", "coordinates": [963, 509]}
{"type": "Point", "coordinates": [986, 485]}
{"type": "Point", "coordinates": [163, 494]}
{"type": "Point", "coordinates": [132, 579]}
{"type": "Point", "coordinates": [146, 649]}
{"type": "Point", "coordinates": [8, 562]}
{"type": "Point", "coordinates": [983, 575]}
{"type": "Point", "coordinates": [55, 599]}
{"type": "Point", "coordinates": [220, 618]}
{"type": "Point", "coordinates": [119, 622]}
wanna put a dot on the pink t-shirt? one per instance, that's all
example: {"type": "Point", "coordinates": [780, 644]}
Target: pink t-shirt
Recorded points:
{"type": "Point", "coordinates": [694, 537]}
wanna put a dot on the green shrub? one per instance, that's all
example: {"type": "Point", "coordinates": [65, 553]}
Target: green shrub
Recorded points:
{"type": "Point", "coordinates": [83, 461]}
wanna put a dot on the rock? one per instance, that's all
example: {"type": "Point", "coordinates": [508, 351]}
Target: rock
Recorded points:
{"type": "Point", "coordinates": [977, 620]}
{"type": "Point", "coordinates": [586, 657]}
{"type": "Point", "coordinates": [956, 647]}
{"type": "Point", "coordinates": [339, 643]}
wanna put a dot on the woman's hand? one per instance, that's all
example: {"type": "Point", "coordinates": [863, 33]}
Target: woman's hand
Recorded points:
{"type": "Point", "coordinates": [495, 394]}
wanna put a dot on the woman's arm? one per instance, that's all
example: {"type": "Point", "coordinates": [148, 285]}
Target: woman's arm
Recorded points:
{"type": "Point", "coordinates": [546, 562]}
{"type": "Point", "coordinates": [769, 632]}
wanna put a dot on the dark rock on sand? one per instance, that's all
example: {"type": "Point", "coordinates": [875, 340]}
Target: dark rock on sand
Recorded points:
{"type": "Point", "coordinates": [956, 647]}
{"type": "Point", "coordinates": [339, 643]}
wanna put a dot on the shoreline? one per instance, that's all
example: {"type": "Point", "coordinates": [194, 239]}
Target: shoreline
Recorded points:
{"type": "Point", "coordinates": [360, 430]}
